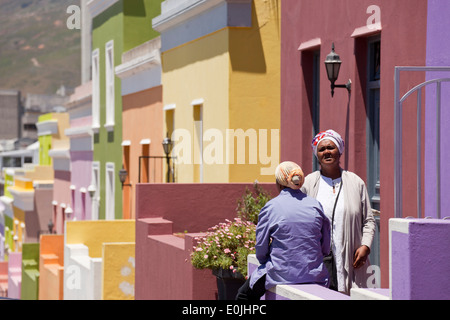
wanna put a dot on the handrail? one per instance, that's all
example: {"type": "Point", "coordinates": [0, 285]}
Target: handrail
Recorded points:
{"type": "Point", "coordinates": [398, 198]}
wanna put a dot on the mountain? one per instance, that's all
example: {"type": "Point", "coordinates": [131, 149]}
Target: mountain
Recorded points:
{"type": "Point", "coordinates": [38, 52]}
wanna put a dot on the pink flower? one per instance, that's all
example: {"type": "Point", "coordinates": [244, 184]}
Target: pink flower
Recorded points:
{"type": "Point", "coordinates": [227, 250]}
{"type": "Point", "coordinates": [231, 267]}
{"type": "Point", "coordinates": [205, 256]}
{"type": "Point", "coordinates": [199, 249]}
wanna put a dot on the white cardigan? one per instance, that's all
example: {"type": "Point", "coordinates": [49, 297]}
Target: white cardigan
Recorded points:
{"type": "Point", "coordinates": [358, 220]}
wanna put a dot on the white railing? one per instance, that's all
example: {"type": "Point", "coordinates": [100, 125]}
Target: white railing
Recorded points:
{"type": "Point", "coordinates": [398, 137]}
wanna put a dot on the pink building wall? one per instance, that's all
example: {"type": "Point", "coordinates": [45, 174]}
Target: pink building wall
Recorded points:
{"type": "Point", "coordinates": [4, 279]}
{"type": "Point", "coordinates": [403, 39]}
{"type": "Point", "coordinates": [163, 268]}
{"type": "Point", "coordinates": [81, 178]}
{"type": "Point", "coordinates": [15, 275]}
{"type": "Point", "coordinates": [37, 220]}
{"type": "Point", "coordinates": [61, 194]}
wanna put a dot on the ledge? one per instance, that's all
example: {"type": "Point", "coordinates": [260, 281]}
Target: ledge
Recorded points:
{"type": "Point", "coordinates": [175, 12]}
{"type": "Point", "coordinates": [47, 127]}
{"type": "Point", "coordinates": [79, 132]}
{"type": "Point", "coordinates": [297, 291]}
{"type": "Point", "coordinates": [367, 30]}
{"type": "Point", "coordinates": [138, 65]}
{"type": "Point", "coordinates": [98, 6]}
{"type": "Point", "coordinates": [59, 153]}
{"type": "Point", "coordinates": [179, 11]}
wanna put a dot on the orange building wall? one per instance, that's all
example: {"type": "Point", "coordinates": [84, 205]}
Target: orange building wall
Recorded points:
{"type": "Point", "coordinates": [51, 267]}
{"type": "Point", "coordinates": [142, 119]}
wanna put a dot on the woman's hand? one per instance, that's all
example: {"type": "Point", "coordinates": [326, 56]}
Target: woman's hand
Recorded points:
{"type": "Point", "coordinates": [360, 257]}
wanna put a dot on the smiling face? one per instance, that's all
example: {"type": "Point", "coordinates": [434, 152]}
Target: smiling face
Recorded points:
{"type": "Point", "coordinates": [328, 153]}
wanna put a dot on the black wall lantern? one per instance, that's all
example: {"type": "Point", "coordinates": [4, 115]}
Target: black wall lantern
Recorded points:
{"type": "Point", "coordinates": [167, 145]}
{"type": "Point", "coordinates": [123, 176]}
{"type": "Point", "coordinates": [333, 65]}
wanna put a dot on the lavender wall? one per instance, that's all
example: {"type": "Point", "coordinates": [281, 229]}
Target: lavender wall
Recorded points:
{"type": "Point", "coordinates": [420, 259]}
{"type": "Point", "coordinates": [81, 178]}
{"type": "Point", "coordinates": [438, 46]}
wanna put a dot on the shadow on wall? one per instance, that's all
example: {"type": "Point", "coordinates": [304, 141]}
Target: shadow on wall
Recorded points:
{"type": "Point", "coordinates": [246, 50]}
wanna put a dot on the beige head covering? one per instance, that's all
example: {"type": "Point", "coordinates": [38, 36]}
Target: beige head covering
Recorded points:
{"type": "Point", "coordinates": [289, 174]}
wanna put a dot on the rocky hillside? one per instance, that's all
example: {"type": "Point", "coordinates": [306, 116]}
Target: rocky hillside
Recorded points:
{"type": "Point", "coordinates": [38, 53]}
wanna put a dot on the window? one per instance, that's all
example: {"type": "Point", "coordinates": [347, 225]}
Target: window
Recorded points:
{"type": "Point", "coordinates": [110, 190]}
{"type": "Point", "coordinates": [198, 142]}
{"type": "Point", "coordinates": [30, 127]}
{"type": "Point", "coordinates": [316, 101]}
{"type": "Point", "coordinates": [373, 120]}
{"type": "Point", "coordinates": [96, 184]}
{"type": "Point", "coordinates": [310, 60]}
{"type": "Point", "coordinates": [110, 99]}
{"type": "Point", "coordinates": [95, 90]}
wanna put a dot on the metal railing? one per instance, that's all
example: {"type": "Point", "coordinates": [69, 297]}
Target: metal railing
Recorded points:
{"type": "Point", "coordinates": [398, 137]}
{"type": "Point", "coordinates": [155, 165]}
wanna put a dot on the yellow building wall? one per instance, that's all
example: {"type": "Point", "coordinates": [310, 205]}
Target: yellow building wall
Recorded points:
{"type": "Point", "coordinates": [94, 234]}
{"type": "Point", "coordinates": [40, 173]}
{"type": "Point", "coordinates": [118, 271]}
{"type": "Point", "coordinates": [18, 229]}
{"type": "Point", "coordinates": [198, 70]}
{"type": "Point", "coordinates": [255, 92]}
{"type": "Point", "coordinates": [60, 140]}
{"type": "Point", "coordinates": [237, 73]}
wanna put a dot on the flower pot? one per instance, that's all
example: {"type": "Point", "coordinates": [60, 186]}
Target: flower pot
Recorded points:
{"type": "Point", "coordinates": [228, 283]}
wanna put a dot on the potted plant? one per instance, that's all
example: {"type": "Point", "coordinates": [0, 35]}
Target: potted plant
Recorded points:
{"type": "Point", "coordinates": [225, 247]}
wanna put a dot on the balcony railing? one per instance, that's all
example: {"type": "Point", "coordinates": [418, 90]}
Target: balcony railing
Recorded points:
{"type": "Point", "coordinates": [151, 169]}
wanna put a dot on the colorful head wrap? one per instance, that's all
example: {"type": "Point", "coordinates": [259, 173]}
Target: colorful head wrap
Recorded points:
{"type": "Point", "coordinates": [328, 135]}
{"type": "Point", "coordinates": [289, 174]}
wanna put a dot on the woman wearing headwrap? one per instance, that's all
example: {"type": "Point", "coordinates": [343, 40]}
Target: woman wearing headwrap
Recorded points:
{"type": "Point", "coordinates": [346, 203]}
{"type": "Point", "coordinates": [292, 236]}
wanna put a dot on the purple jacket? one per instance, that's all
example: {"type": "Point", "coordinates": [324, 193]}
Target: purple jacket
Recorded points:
{"type": "Point", "coordinates": [292, 236]}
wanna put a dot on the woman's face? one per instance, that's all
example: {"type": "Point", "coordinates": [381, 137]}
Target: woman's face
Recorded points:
{"type": "Point", "coordinates": [327, 153]}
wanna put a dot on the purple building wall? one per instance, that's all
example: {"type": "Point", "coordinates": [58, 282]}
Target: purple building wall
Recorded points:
{"type": "Point", "coordinates": [420, 259]}
{"type": "Point", "coordinates": [438, 46]}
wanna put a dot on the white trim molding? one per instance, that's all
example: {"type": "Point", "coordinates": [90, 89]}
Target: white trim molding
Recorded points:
{"type": "Point", "coordinates": [47, 127]}
{"type": "Point", "coordinates": [174, 12]}
{"type": "Point", "coordinates": [79, 132]}
{"type": "Point", "coordinates": [182, 21]}
{"type": "Point", "coordinates": [61, 159]}
{"type": "Point", "coordinates": [145, 141]}
{"type": "Point", "coordinates": [96, 7]}
{"type": "Point", "coordinates": [168, 107]}
{"type": "Point", "coordinates": [197, 102]}
{"type": "Point", "coordinates": [23, 199]}
{"type": "Point", "coordinates": [138, 64]}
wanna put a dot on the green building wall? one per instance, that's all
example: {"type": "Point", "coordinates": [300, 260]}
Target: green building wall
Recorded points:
{"type": "Point", "coordinates": [108, 26]}
{"type": "Point", "coordinates": [45, 143]}
{"type": "Point", "coordinates": [30, 271]}
{"type": "Point", "coordinates": [128, 24]}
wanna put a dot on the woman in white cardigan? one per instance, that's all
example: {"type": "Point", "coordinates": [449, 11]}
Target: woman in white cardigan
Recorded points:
{"type": "Point", "coordinates": [345, 194]}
